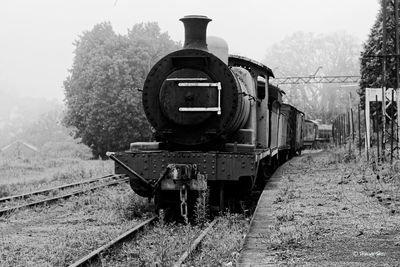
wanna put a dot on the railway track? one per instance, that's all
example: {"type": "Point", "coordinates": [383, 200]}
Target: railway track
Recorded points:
{"type": "Point", "coordinates": [85, 261]}
{"type": "Point", "coordinates": [88, 259]}
{"type": "Point", "coordinates": [115, 180]}
{"type": "Point", "coordinates": [194, 245]}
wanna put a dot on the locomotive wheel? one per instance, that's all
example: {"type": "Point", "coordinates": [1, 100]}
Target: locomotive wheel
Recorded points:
{"type": "Point", "coordinates": [275, 164]}
{"type": "Point", "coordinates": [264, 171]}
{"type": "Point", "coordinates": [285, 157]}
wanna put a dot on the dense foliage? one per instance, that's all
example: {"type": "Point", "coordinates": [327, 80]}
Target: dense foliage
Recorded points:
{"type": "Point", "coordinates": [102, 91]}
{"type": "Point", "coordinates": [371, 60]}
{"type": "Point", "coordinates": [371, 67]}
{"type": "Point", "coordinates": [302, 54]}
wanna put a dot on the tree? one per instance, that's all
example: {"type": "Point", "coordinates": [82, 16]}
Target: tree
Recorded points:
{"type": "Point", "coordinates": [371, 60]}
{"type": "Point", "coordinates": [302, 54]}
{"type": "Point", "coordinates": [102, 97]}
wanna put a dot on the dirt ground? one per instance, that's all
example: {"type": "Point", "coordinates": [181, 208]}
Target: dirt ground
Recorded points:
{"type": "Point", "coordinates": [334, 210]}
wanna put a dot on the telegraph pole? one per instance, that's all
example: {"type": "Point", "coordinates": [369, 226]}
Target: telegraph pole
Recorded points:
{"type": "Point", "coordinates": [397, 49]}
{"type": "Point", "coordinates": [390, 51]}
{"type": "Point", "coordinates": [384, 41]}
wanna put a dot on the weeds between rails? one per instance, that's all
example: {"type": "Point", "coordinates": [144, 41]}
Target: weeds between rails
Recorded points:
{"type": "Point", "coordinates": [96, 254]}
{"type": "Point", "coordinates": [195, 244]}
{"type": "Point", "coordinates": [118, 179]}
{"type": "Point", "coordinates": [120, 239]}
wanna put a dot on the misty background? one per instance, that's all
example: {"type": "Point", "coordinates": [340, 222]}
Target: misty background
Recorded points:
{"type": "Point", "coordinates": [293, 38]}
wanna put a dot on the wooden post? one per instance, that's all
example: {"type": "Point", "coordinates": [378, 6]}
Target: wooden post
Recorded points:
{"type": "Point", "coordinates": [359, 131]}
{"type": "Point", "coordinates": [340, 131]}
{"type": "Point", "coordinates": [352, 123]}
{"type": "Point", "coordinates": [344, 129]}
{"type": "Point", "coordinates": [366, 130]}
{"type": "Point", "coordinates": [336, 132]}
{"type": "Point", "coordinates": [377, 128]}
{"type": "Point", "coordinates": [348, 124]}
{"type": "Point", "coordinates": [333, 132]}
{"type": "Point", "coordinates": [392, 131]}
{"type": "Point", "coordinates": [367, 116]}
{"type": "Point", "coordinates": [397, 50]}
{"type": "Point", "coordinates": [384, 59]}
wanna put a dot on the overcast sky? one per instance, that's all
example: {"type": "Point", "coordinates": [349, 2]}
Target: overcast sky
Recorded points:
{"type": "Point", "coordinates": [36, 45]}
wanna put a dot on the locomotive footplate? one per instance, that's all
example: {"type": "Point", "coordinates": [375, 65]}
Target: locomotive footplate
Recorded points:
{"type": "Point", "coordinates": [179, 175]}
{"type": "Point", "coordinates": [228, 166]}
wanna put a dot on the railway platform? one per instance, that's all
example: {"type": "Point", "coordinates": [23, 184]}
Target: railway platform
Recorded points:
{"type": "Point", "coordinates": [326, 209]}
{"type": "Point", "coordinates": [255, 252]}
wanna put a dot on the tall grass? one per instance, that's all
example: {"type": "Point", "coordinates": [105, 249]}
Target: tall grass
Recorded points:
{"type": "Point", "coordinates": [56, 164]}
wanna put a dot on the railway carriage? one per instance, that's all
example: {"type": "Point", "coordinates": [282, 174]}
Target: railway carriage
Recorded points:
{"type": "Point", "coordinates": [284, 137]}
{"type": "Point", "coordinates": [311, 131]}
{"type": "Point", "coordinates": [296, 128]}
{"type": "Point", "coordinates": [218, 125]}
{"type": "Point", "coordinates": [324, 133]}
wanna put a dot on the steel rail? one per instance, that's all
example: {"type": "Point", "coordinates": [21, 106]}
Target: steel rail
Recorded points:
{"type": "Point", "coordinates": [128, 234]}
{"type": "Point", "coordinates": [194, 245]}
{"type": "Point", "coordinates": [61, 187]}
{"type": "Point", "coordinates": [64, 196]}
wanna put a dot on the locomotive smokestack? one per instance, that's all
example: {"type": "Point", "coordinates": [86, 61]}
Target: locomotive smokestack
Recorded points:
{"type": "Point", "coordinates": [195, 31]}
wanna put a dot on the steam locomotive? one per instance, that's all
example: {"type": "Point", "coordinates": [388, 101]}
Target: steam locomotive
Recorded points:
{"type": "Point", "coordinates": [219, 126]}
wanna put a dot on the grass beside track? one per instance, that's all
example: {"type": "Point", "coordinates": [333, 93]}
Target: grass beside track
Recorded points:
{"type": "Point", "coordinates": [346, 215]}
{"type": "Point", "coordinates": [26, 175]}
{"type": "Point", "coordinates": [53, 195]}
{"type": "Point", "coordinates": [60, 234]}
{"type": "Point", "coordinates": [221, 247]}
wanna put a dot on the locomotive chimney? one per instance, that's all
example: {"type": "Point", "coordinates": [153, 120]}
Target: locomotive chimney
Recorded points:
{"type": "Point", "coordinates": [195, 31]}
